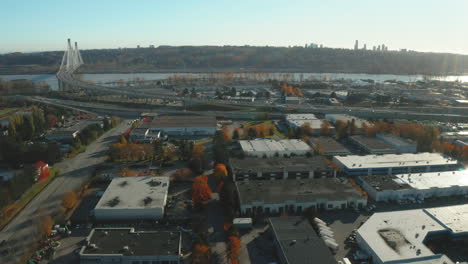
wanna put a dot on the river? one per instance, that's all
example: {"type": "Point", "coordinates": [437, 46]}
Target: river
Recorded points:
{"type": "Point", "coordinates": [110, 77]}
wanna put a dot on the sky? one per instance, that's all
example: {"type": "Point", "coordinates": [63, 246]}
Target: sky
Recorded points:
{"type": "Point", "coordinates": [422, 25]}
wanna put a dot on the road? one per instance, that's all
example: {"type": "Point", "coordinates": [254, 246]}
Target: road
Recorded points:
{"type": "Point", "coordinates": [22, 230]}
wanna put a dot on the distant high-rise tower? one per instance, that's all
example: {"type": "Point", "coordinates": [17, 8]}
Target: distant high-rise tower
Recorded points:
{"type": "Point", "coordinates": [356, 45]}
{"type": "Point", "coordinates": [365, 47]}
{"type": "Point", "coordinates": [378, 48]}
{"type": "Point", "coordinates": [373, 48]}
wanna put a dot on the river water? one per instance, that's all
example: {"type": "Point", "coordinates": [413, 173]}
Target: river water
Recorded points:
{"type": "Point", "coordinates": [111, 77]}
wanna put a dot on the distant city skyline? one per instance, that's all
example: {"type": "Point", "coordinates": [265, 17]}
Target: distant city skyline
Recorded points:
{"type": "Point", "coordinates": [427, 26]}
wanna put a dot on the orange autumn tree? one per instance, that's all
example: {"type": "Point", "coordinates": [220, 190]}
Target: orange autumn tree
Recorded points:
{"type": "Point", "coordinates": [69, 200]}
{"type": "Point", "coordinates": [234, 249]}
{"type": "Point", "coordinates": [226, 134]}
{"type": "Point", "coordinates": [45, 225]}
{"type": "Point", "coordinates": [201, 192]}
{"type": "Point", "coordinates": [200, 254]}
{"type": "Point", "coordinates": [126, 172]}
{"type": "Point", "coordinates": [325, 128]}
{"type": "Point", "coordinates": [220, 172]}
{"type": "Point", "coordinates": [198, 151]}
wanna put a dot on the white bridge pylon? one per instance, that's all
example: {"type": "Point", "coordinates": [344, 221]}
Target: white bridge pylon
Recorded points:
{"type": "Point", "coordinates": [71, 60]}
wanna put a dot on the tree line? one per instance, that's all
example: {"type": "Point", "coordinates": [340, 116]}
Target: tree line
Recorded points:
{"type": "Point", "coordinates": [247, 57]}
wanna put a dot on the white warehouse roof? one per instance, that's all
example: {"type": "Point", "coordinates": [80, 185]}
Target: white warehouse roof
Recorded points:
{"type": "Point", "coordinates": [399, 235]}
{"type": "Point", "coordinates": [268, 145]}
{"type": "Point", "coordinates": [394, 160]}
{"type": "Point", "coordinates": [132, 194]}
{"type": "Point", "coordinates": [301, 117]}
{"type": "Point", "coordinates": [427, 180]}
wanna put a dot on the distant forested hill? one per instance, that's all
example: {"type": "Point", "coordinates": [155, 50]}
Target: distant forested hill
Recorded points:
{"type": "Point", "coordinates": [242, 58]}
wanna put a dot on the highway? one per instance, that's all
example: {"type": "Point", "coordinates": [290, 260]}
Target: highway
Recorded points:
{"type": "Point", "coordinates": [453, 114]}
{"type": "Point", "coordinates": [21, 232]}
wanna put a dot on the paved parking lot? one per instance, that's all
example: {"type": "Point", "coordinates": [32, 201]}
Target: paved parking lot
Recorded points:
{"type": "Point", "coordinates": [66, 253]}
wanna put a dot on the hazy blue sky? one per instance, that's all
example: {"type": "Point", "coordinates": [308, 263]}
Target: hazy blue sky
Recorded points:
{"type": "Point", "coordinates": [423, 25]}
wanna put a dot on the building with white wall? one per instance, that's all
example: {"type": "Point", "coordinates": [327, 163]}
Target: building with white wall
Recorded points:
{"type": "Point", "coordinates": [127, 246]}
{"type": "Point", "coordinates": [415, 186]}
{"type": "Point", "coordinates": [133, 198]}
{"type": "Point", "coordinates": [404, 236]}
{"type": "Point", "coordinates": [183, 125]}
{"type": "Point", "coordinates": [401, 145]}
{"type": "Point", "coordinates": [271, 148]}
{"type": "Point", "coordinates": [259, 197]}
{"type": "Point", "coordinates": [358, 122]}
{"type": "Point", "coordinates": [354, 165]}
{"type": "Point", "coordinates": [295, 121]}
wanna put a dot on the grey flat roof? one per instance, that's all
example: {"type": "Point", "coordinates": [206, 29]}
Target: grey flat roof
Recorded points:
{"type": "Point", "coordinates": [181, 121]}
{"type": "Point", "coordinates": [328, 144]}
{"type": "Point", "coordinates": [398, 140]}
{"type": "Point", "coordinates": [275, 164]}
{"type": "Point", "coordinates": [135, 193]}
{"type": "Point", "coordinates": [372, 143]}
{"type": "Point", "coordinates": [385, 182]}
{"type": "Point", "coordinates": [144, 243]}
{"type": "Point", "coordinates": [299, 242]}
{"type": "Point", "coordinates": [304, 190]}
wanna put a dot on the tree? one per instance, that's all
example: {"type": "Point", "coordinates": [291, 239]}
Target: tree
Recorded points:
{"type": "Point", "coordinates": [220, 172]}
{"type": "Point", "coordinates": [45, 225]}
{"type": "Point", "coordinates": [226, 135]}
{"type": "Point", "coordinates": [201, 254]}
{"type": "Point", "coordinates": [126, 172]}
{"type": "Point", "coordinates": [325, 128]}
{"type": "Point", "coordinates": [236, 134]}
{"type": "Point", "coordinates": [307, 129]}
{"type": "Point", "coordinates": [122, 140]}
{"type": "Point", "coordinates": [201, 192]}
{"type": "Point", "coordinates": [51, 120]}
{"type": "Point", "coordinates": [69, 200]}
{"type": "Point", "coordinates": [182, 174]}
{"type": "Point", "coordinates": [198, 151]}
{"type": "Point", "coordinates": [234, 248]}
{"type": "Point", "coordinates": [341, 129]}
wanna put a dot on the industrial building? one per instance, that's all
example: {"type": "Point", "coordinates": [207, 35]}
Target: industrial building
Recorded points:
{"type": "Point", "coordinates": [127, 246]}
{"type": "Point", "coordinates": [416, 186]}
{"type": "Point", "coordinates": [183, 125]}
{"type": "Point", "coordinates": [295, 196]}
{"type": "Point", "coordinates": [144, 135]}
{"type": "Point", "coordinates": [401, 145]}
{"type": "Point", "coordinates": [358, 122]}
{"type": "Point", "coordinates": [296, 242]}
{"type": "Point", "coordinates": [281, 168]}
{"type": "Point", "coordinates": [328, 146]}
{"type": "Point", "coordinates": [297, 120]}
{"type": "Point", "coordinates": [133, 198]}
{"type": "Point", "coordinates": [271, 148]}
{"type": "Point", "coordinates": [389, 164]}
{"type": "Point", "coordinates": [453, 136]}
{"type": "Point", "coordinates": [371, 145]}
{"type": "Point", "coordinates": [410, 236]}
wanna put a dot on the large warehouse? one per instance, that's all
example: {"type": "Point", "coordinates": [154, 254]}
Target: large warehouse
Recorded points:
{"type": "Point", "coordinates": [389, 164]}
{"type": "Point", "coordinates": [133, 198]}
{"type": "Point", "coordinates": [281, 168]}
{"type": "Point", "coordinates": [401, 145]}
{"type": "Point", "coordinates": [295, 196]}
{"type": "Point", "coordinates": [371, 145]}
{"type": "Point", "coordinates": [297, 120]}
{"type": "Point", "coordinates": [296, 242]}
{"type": "Point", "coordinates": [328, 146]}
{"type": "Point", "coordinates": [183, 125]}
{"type": "Point", "coordinates": [416, 185]}
{"type": "Point", "coordinates": [411, 236]}
{"type": "Point", "coordinates": [127, 246]}
{"type": "Point", "coordinates": [270, 148]}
